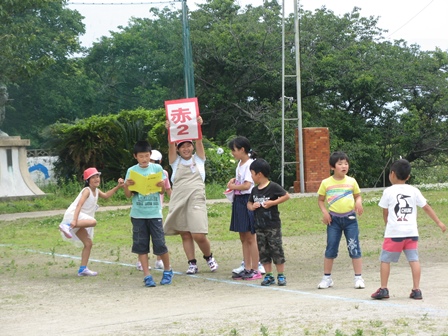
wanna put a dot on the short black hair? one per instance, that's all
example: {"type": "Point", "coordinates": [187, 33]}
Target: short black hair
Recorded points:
{"type": "Point", "coordinates": [261, 166]}
{"type": "Point", "coordinates": [337, 156]}
{"type": "Point", "coordinates": [142, 146]}
{"type": "Point", "coordinates": [402, 169]}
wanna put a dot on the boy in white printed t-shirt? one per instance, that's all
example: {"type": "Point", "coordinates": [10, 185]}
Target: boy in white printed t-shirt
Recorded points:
{"type": "Point", "coordinates": [399, 203]}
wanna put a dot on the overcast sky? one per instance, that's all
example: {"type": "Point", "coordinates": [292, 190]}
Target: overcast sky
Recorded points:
{"type": "Point", "coordinates": [423, 22]}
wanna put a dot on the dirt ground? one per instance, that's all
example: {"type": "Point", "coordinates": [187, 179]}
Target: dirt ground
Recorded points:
{"type": "Point", "coordinates": [40, 294]}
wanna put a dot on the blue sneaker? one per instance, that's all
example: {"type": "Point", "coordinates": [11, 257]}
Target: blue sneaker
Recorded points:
{"type": "Point", "coordinates": [268, 280]}
{"type": "Point", "coordinates": [167, 277]}
{"type": "Point", "coordinates": [281, 280]}
{"type": "Point", "coordinates": [149, 282]}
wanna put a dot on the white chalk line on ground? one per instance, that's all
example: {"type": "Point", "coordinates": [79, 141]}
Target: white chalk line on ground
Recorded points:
{"type": "Point", "coordinates": [377, 303]}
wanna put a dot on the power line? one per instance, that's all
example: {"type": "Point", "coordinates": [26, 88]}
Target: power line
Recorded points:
{"type": "Point", "coordinates": [122, 3]}
{"type": "Point", "coordinates": [412, 18]}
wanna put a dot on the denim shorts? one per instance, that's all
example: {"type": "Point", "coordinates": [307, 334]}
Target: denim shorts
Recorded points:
{"type": "Point", "coordinates": [349, 226]}
{"type": "Point", "coordinates": [144, 229]}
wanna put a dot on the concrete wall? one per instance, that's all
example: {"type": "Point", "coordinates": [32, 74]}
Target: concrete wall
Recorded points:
{"type": "Point", "coordinates": [41, 169]}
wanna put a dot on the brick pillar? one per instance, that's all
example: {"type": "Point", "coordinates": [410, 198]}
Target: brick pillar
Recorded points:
{"type": "Point", "coordinates": [316, 152]}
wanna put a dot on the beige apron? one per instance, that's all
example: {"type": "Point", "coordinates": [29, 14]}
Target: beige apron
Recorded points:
{"type": "Point", "coordinates": [187, 207]}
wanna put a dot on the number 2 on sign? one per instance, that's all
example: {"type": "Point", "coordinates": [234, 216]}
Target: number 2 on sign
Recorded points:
{"type": "Point", "coordinates": [183, 130]}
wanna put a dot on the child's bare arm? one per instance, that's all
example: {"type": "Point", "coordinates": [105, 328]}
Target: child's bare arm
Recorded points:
{"type": "Point", "coordinates": [127, 183]}
{"type": "Point", "coordinates": [431, 213]}
{"type": "Point", "coordinates": [161, 184]}
{"type": "Point", "coordinates": [169, 191]}
{"type": "Point", "coordinates": [281, 199]}
{"type": "Point", "coordinates": [232, 186]}
{"type": "Point", "coordinates": [326, 219]}
{"type": "Point", "coordinates": [82, 200]}
{"type": "Point", "coordinates": [172, 152]}
{"type": "Point", "coordinates": [385, 215]}
{"type": "Point", "coordinates": [200, 151]}
{"type": "Point", "coordinates": [109, 193]}
{"type": "Point", "coordinates": [358, 204]}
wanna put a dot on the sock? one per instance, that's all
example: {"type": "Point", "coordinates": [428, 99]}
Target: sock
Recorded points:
{"type": "Point", "coordinates": [327, 275]}
{"type": "Point", "coordinates": [280, 274]}
{"type": "Point", "coordinates": [192, 261]}
{"type": "Point", "coordinates": [82, 268]}
{"type": "Point", "coordinates": [208, 258]}
{"type": "Point", "coordinates": [357, 275]}
{"type": "Point", "coordinates": [269, 274]}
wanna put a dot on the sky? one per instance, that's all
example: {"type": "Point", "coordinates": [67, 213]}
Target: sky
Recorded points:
{"type": "Point", "coordinates": [423, 22]}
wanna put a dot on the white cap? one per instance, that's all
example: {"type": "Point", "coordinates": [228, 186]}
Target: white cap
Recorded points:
{"type": "Point", "coordinates": [156, 155]}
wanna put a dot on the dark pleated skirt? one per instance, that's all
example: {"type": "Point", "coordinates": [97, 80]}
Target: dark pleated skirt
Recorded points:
{"type": "Point", "coordinates": [242, 218]}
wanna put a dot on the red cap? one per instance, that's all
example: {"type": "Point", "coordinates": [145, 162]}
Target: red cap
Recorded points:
{"type": "Point", "coordinates": [89, 172]}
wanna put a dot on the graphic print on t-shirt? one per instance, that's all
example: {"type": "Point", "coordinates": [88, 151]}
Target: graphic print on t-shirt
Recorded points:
{"type": "Point", "coordinates": [402, 208]}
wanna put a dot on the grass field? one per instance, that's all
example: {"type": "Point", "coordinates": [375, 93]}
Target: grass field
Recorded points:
{"type": "Point", "coordinates": [33, 253]}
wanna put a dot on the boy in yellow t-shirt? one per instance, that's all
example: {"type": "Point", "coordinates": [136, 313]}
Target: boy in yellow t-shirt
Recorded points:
{"type": "Point", "coordinates": [342, 194]}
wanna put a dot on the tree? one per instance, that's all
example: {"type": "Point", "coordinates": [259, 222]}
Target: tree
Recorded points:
{"type": "Point", "coordinates": [142, 65]}
{"type": "Point", "coordinates": [34, 35]}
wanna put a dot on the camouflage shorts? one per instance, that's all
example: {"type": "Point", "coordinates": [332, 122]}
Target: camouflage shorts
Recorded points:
{"type": "Point", "coordinates": [270, 246]}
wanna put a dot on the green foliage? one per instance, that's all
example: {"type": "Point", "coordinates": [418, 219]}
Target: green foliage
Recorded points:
{"type": "Point", "coordinates": [379, 99]}
{"type": "Point", "coordinates": [219, 168]}
{"type": "Point", "coordinates": [104, 142]}
{"type": "Point", "coordinates": [34, 34]}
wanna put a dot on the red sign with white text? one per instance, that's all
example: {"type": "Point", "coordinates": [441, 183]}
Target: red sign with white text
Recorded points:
{"type": "Point", "coordinates": [182, 115]}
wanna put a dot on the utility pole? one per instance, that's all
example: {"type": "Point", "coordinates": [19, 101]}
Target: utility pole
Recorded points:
{"type": "Point", "coordinates": [298, 93]}
{"type": "Point", "coordinates": [188, 56]}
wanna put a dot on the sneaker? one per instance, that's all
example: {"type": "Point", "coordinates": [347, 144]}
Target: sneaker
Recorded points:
{"type": "Point", "coordinates": [212, 264]}
{"type": "Point", "coordinates": [240, 275]}
{"type": "Point", "coordinates": [416, 294]}
{"type": "Point", "coordinates": [149, 281]}
{"type": "Point", "coordinates": [359, 282]}
{"type": "Point", "coordinates": [325, 282]}
{"type": "Point", "coordinates": [239, 269]}
{"type": "Point", "coordinates": [381, 293]}
{"type": "Point", "coordinates": [65, 229]}
{"type": "Point", "coordinates": [87, 272]}
{"type": "Point", "coordinates": [281, 280]}
{"type": "Point", "coordinates": [167, 277]}
{"type": "Point", "coordinates": [252, 275]}
{"type": "Point", "coordinates": [158, 264]}
{"type": "Point", "coordinates": [192, 269]}
{"type": "Point", "coordinates": [268, 280]}
{"type": "Point", "coordinates": [261, 268]}
{"type": "Point", "coordinates": [139, 267]}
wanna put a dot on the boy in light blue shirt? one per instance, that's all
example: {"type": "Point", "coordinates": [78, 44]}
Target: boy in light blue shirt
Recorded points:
{"type": "Point", "coordinates": [146, 216]}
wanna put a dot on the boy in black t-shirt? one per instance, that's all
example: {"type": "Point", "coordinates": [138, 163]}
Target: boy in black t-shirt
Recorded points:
{"type": "Point", "coordinates": [264, 200]}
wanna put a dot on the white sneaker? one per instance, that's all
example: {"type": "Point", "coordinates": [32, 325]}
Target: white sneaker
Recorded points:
{"type": "Point", "coordinates": [359, 282]}
{"type": "Point", "coordinates": [325, 282]}
{"type": "Point", "coordinates": [139, 267]}
{"type": "Point", "coordinates": [212, 264]}
{"type": "Point", "coordinates": [158, 264]}
{"type": "Point", "coordinates": [192, 269]}
{"type": "Point", "coordinates": [65, 229]}
{"type": "Point", "coordinates": [239, 269]}
{"type": "Point", "coordinates": [87, 272]}
{"type": "Point", "coordinates": [261, 268]}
